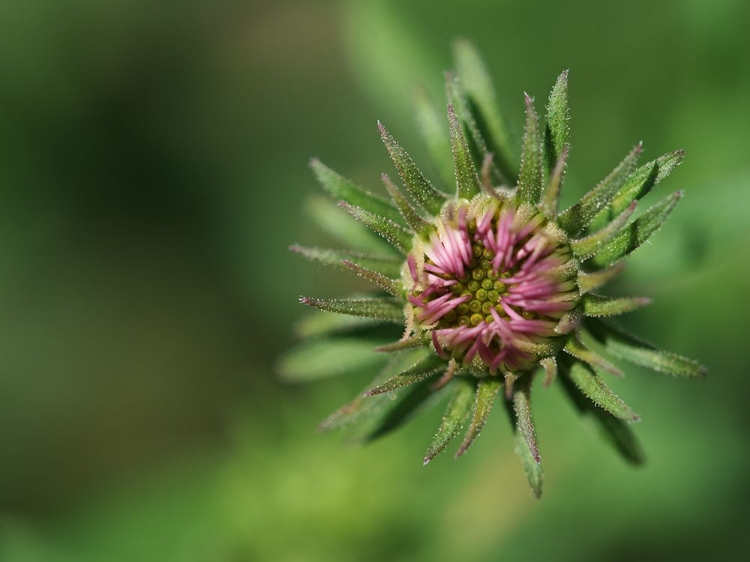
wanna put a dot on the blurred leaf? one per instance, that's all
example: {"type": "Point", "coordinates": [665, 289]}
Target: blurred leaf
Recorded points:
{"type": "Point", "coordinates": [326, 358]}
{"type": "Point", "coordinates": [322, 323]}
{"type": "Point", "coordinates": [531, 176]}
{"type": "Point", "coordinates": [432, 127]}
{"type": "Point", "coordinates": [464, 390]}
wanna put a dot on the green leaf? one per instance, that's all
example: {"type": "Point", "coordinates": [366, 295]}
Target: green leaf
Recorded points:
{"type": "Point", "coordinates": [574, 219]}
{"type": "Point", "coordinates": [318, 359]}
{"type": "Point", "coordinates": [531, 176]}
{"type": "Point", "coordinates": [557, 130]}
{"type": "Point", "coordinates": [417, 185]}
{"type": "Point", "coordinates": [467, 181]}
{"type": "Point", "coordinates": [390, 286]}
{"type": "Point", "coordinates": [601, 305]}
{"type": "Point", "coordinates": [637, 232]}
{"type": "Point", "coordinates": [589, 383]}
{"type": "Point", "coordinates": [487, 390]}
{"type": "Point", "coordinates": [588, 281]}
{"type": "Point", "coordinates": [431, 125]}
{"type": "Point", "coordinates": [342, 189]}
{"type": "Point", "coordinates": [519, 412]}
{"type": "Point", "coordinates": [626, 346]}
{"type": "Point", "coordinates": [464, 391]}
{"type": "Point", "coordinates": [477, 84]}
{"type": "Point", "coordinates": [343, 227]}
{"type": "Point", "coordinates": [425, 368]}
{"type": "Point", "coordinates": [617, 432]}
{"type": "Point", "coordinates": [551, 197]}
{"type": "Point", "coordinates": [396, 235]}
{"type": "Point", "coordinates": [584, 248]}
{"type": "Point", "coordinates": [388, 309]}
{"type": "Point", "coordinates": [642, 181]}
{"type": "Point", "coordinates": [415, 221]}
{"type": "Point", "coordinates": [575, 347]}
{"type": "Point", "coordinates": [388, 266]}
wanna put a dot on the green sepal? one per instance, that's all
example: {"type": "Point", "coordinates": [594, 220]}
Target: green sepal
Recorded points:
{"type": "Point", "coordinates": [487, 390]}
{"type": "Point", "coordinates": [417, 185]}
{"type": "Point", "coordinates": [519, 411]}
{"type": "Point", "coordinates": [393, 233]}
{"type": "Point", "coordinates": [415, 221]}
{"type": "Point", "coordinates": [617, 432]}
{"type": "Point", "coordinates": [390, 286]}
{"type": "Point", "coordinates": [388, 266]}
{"type": "Point", "coordinates": [474, 139]}
{"type": "Point", "coordinates": [459, 406]}
{"type": "Point", "coordinates": [551, 196]}
{"type": "Point", "coordinates": [431, 126]}
{"type": "Point", "coordinates": [531, 176]}
{"type": "Point", "coordinates": [590, 280]}
{"type": "Point", "coordinates": [574, 219]}
{"type": "Point", "coordinates": [549, 364]}
{"type": "Point", "coordinates": [317, 359]}
{"type": "Point", "coordinates": [629, 348]}
{"type": "Point", "coordinates": [481, 96]}
{"type": "Point", "coordinates": [342, 189]}
{"type": "Point", "coordinates": [602, 305]}
{"type": "Point", "coordinates": [641, 182]}
{"type": "Point", "coordinates": [593, 387]}
{"type": "Point", "coordinates": [425, 368]}
{"type": "Point", "coordinates": [585, 248]}
{"type": "Point", "coordinates": [332, 219]}
{"type": "Point", "coordinates": [575, 347]}
{"type": "Point", "coordinates": [557, 129]}
{"type": "Point", "coordinates": [386, 308]}
{"type": "Point", "coordinates": [637, 232]}
{"type": "Point", "coordinates": [467, 181]}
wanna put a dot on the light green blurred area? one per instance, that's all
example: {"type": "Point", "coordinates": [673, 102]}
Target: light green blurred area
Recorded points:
{"type": "Point", "coordinates": [153, 171]}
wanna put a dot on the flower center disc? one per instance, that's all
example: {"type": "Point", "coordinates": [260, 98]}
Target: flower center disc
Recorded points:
{"type": "Point", "coordinates": [492, 282]}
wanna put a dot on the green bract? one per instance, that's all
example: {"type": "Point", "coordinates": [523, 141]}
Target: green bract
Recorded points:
{"type": "Point", "coordinates": [478, 291]}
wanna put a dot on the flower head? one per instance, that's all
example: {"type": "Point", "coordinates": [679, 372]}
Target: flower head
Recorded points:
{"type": "Point", "coordinates": [490, 285]}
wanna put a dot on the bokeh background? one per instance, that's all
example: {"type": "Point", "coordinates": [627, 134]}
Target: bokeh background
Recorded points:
{"type": "Point", "coordinates": [153, 171]}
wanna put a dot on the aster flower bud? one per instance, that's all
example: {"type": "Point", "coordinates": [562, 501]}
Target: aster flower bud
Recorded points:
{"type": "Point", "coordinates": [484, 289]}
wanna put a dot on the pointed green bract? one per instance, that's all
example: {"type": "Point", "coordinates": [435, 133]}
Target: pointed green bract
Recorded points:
{"type": "Point", "coordinates": [318, 359]}
{"type": "Point", "coordinates": [601, 305]}
{"type": "Point", "coordinates": [388, 309]}
{"type": "Point", "coordinates": [589, 281]}
{"type": "Point", "coordinates": [616, 431]}
{"type": "Point", "coordinates": [550, 370]}
{"type": "Point", "coordinates": [575, 347]}
{"type": "Point", "coordinates": [557, 130]}
{"type": "Point", "coordinates": [429, 366]}
{"type": "Point", "coordinates": [333, 220]}
{"type": "Point", "coordinates": [417, 185]}
{"type": "Point", "coordinates": [464, 391]}
{"type": "Point", "coordinates": [580, 215]}
{"type": "Point", "coordinates": [396, 235]}
{"type": "Point", "coordinates": [415, 221]}
{"type": "Point", "coordinates": [531, 466]}
{"type": "Point", "coordinates": [467, 181]}
{"type": "Point", "coordinates": [431, 125]}
{"type": "Point", "coordinates": [405, 343]}
{"type": "Point", "coordinates": [390, 286]}
{"type": "Point", "coordinates": [522, 407]}
{"type": "Point", "coordinates": [642, 181]}
{"type": "Point", "coordinates": [385, 265]}
{"type": "Point", "coordinates": [584, 248]}
{"type": "Point", "coordinates": [477, 84]}
{"type": "Point", "coordinates": [551, 196]}
{"type": "Point", "coordinates": [342, 189]}
{"type": "Point", "coordinates": [629, 348]}
{"type": "Point", "coordinates": [531, 176]}
{"type": "Point", "coordinates": [487, 390]}
{"type": "Point", "coordinates": [637, 232]}
{"type": "Point", "coordinates": [589, 383]}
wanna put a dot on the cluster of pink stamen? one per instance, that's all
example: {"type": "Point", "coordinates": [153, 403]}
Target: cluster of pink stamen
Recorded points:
{"type": "Point", "coordinates": [493, 282]}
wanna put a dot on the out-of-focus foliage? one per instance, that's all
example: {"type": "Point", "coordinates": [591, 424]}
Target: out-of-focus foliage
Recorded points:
{"type": "Point", "coordinates": [153, 171]}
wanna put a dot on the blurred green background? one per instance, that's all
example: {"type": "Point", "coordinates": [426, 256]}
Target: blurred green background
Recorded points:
{"type": "Point", "coordinates": [153, 171]}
